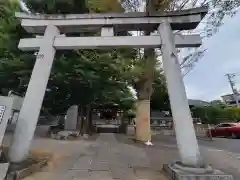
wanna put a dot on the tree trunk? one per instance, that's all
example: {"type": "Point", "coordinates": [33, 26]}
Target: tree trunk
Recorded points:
{"type": "Point", "coordinates": [87, 120]}
{"type": "Point", "coordinates": [82, 120]}
{"type": "Point", "coordinates": [79, 120]}
{"type": "Point", "coordinates": [143, 129]}
{"type": "Point", "coordinates": [90, 121]}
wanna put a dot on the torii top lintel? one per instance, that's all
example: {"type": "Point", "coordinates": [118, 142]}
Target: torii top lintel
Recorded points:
{"type": "Point", "coordinates": [179, 20]}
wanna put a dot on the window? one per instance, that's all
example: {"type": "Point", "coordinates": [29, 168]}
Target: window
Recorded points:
{"type": "Point", "coordinates": [226, 125]}
{"type": "Point", "coordinates": [223, 125]}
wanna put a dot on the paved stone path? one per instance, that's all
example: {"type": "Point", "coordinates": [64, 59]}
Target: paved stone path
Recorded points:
{"type": "Point", "coordinates": [115, 156]}
{"type": "Point", "coordinates": [107, 159]}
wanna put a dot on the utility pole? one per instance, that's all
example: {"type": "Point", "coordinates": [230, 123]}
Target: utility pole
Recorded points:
{"type": "Point", "coordinates": [232, 84]}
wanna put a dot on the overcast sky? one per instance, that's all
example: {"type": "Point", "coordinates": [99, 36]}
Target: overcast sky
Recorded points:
{"type": "Point", "coordinates": [207, 81]}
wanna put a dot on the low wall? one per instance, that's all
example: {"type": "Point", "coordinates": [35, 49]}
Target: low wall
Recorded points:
{"type": "Point", "coordinates": [130, 130]}
{"type": "Point", "coordinates": [41, 130]}
{"type": "Point", "coordinates": [200, 130]}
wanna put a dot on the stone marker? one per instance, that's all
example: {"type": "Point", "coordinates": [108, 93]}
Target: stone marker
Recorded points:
{"type": "Point", "coordinates": [3, 170]}
{"type": "Point", "coordinates": [71, 118]}
{"type": "Point", "coordinates": [6, 104]}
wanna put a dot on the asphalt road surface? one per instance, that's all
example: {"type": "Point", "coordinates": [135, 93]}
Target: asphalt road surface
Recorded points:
{"type": "Point", "coordinates": [231, 145]}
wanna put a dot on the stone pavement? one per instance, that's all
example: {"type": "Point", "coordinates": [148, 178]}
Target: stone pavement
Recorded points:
{"type": "Point", "coordinates": [116, 156]}
{"type": "Point", "coordinates": [108, 159]}
{"type": "Point", "coordinates": [105, 159]}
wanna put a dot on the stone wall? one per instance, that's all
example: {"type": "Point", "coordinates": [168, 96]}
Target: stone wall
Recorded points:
{"type": "Point", "coordinates": [200, 130]}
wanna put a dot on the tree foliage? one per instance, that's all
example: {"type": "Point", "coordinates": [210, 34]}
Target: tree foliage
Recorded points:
{"type": "Point", "coordinates": [159, 99]}
{"type": "Point", "coordinates": [15, 66]}
{"type": "Point", "coordinates": [89, 76]}
{"type": "Point", "coordinates": [215, 114]}
{"type": "Point", "coordinates": [218, 10]}
{"type": "Point", "coordinates": [83, 77]}
{"type": "Point", "coordinates": [101, 6]}
{"type": "Point", "coordinates": [56, 6]}
{"type": "Point", "coordinates": [92, 78]}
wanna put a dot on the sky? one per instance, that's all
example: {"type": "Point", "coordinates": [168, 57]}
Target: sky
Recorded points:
{"type": "Point", "coordinates": [207, 81]}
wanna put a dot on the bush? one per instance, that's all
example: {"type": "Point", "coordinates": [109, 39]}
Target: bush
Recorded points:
{"type": "Point", "coordinates": [216, 114]}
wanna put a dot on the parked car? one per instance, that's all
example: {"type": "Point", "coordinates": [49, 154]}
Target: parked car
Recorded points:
{"type": "Point", "coordinates": [225, 130]}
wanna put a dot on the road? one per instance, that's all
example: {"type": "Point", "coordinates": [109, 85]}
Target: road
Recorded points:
{"type": "Point", "coordinates": [222, 154]}
{"type": "Point", "coordinates": [230, 145]}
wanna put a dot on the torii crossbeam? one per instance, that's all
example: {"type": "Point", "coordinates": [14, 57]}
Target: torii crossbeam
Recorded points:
{"type": "Point", "coordinates": [137, 21]}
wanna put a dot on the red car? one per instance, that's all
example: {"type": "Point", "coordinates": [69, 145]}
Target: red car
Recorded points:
{"type": "Point", "coordinates": [225, 130]}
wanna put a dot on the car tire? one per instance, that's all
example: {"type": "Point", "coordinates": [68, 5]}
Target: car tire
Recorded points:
{"type": "Point", "coordinates": [233, 135]}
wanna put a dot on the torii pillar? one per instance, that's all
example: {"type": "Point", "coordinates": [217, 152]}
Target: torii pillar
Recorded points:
{"type": "Point", "coordinates": [183, 122]}
{"type": "Point", "coordinates": [32, 102]}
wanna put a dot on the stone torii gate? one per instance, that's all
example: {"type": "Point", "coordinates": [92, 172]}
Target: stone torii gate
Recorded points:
{"type": "Point", "coordinates": [53, 25]}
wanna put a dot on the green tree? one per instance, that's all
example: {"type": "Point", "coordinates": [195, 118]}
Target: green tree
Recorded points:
{"type": "Point", "coordinates": [145, 89]}
{"type": "Point", "coordinates": [159, 98]}
{"type": "Point", "coordinates": [15, 66]}
{"type": "Point", "coordinates": [57, 6]}
{"type": "Point", "coordinates": [215, 114]}
{"type": "Point", "coordinates": [84, 77]}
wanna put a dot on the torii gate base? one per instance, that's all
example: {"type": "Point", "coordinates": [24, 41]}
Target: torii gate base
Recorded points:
{"type": "Point", "coordinates": [51, 26]}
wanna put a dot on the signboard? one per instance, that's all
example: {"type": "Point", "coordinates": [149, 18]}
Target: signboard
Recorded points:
{"type": "Point", "coordinates": [2, 110]}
